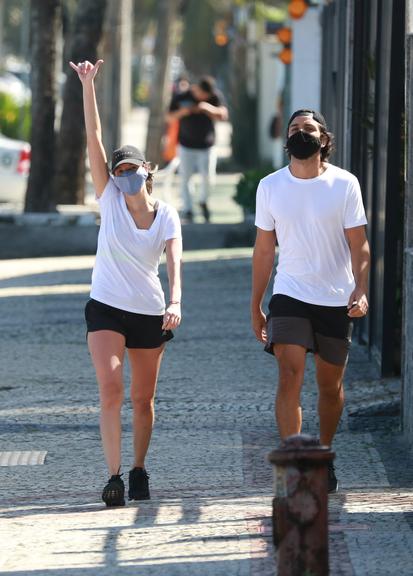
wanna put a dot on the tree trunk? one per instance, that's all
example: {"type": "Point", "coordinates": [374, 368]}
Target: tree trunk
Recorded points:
{"type": "Point", "coordinates": [198, 47]}
{"type": "Point", "coordinates": [160, 89]}
{"type": "Point", "coordinates": [243, 106]}
{"type": "Point", "coordinates": [44, 25]}
{"type": "Point", "coordinates": [70, 168]}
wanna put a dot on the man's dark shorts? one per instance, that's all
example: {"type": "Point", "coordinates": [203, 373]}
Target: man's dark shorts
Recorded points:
{"type": "Point", "coordinates": [324, 330]}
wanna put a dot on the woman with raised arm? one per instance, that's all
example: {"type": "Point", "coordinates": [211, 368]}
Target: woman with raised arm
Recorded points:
{"type": "Point", "coordinates": [126, 310]}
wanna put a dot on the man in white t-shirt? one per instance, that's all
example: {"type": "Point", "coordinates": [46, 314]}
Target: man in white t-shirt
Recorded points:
{"type": "Point", "coordinates": [314, 212]}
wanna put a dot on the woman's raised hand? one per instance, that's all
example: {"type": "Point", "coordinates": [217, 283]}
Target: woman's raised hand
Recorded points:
{"type": "Point", "coordinates": [86, 70]}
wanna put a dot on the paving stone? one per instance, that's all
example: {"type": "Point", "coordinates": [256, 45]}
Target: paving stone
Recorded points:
{"type": "Point", "coordinates": [212, 485]}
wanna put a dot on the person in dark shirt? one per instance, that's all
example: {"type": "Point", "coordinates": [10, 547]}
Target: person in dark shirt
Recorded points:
{"type": "Point", "coordinates": [197, 109]}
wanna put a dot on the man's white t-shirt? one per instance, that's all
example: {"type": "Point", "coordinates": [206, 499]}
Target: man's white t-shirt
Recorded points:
{"type": "Point", "coordinates": [309, 217]}
{"type": "Point", "coordinates": [125, 274]}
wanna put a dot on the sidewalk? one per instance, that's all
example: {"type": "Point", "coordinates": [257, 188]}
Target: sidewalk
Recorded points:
{"type": "Point", "coordinates": [210, 514]}
{"type": "Point", "coordinates": [74, 230]}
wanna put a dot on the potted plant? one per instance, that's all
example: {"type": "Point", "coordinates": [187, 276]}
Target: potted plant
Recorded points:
{"type": "Point", "coordinates": [246, 189]}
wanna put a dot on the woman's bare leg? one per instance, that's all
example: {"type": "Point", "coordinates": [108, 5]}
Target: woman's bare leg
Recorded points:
{"type": "Point", "coordinates": [107, 349]}
{"type": "Point", "coordinates": [145, 364]}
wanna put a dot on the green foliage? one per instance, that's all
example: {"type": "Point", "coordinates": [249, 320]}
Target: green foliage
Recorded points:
{"type": "Point", "coordinates": [265, 11]}
{"type": "Point", "coordinates": [244, 134]}
{"type": "Point", "coordinates": [15, 120]}
{"type": "Point", "coordinates": [247, 187]}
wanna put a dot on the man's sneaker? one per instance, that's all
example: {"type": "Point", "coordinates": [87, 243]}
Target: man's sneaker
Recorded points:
{"type": "Point", "coordinates": [205, 211]}
{"type": "Point", "coordinates": [332, 480]}
{"type": "Point", "coordinates": [139, 484]}
{"type": "Point", "coordinates": [114, 492]}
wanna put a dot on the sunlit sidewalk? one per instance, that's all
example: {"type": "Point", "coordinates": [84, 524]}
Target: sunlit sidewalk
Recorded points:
{"type": "Point", "coordinates": [211, 484]}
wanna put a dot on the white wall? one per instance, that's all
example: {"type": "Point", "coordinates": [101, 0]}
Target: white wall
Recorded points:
{"type": "Point", "coordinates": [306, 65]}
{"type": "Point", "coordinates": [271, 79]}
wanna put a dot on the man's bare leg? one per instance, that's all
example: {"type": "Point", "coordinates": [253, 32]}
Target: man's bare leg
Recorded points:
{"type": "Point", "coordinates": [331, 398]}
{"type": "Point", "coordinates": [291, 365]}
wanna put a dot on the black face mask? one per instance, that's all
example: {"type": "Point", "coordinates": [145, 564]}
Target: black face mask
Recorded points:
{"type": "Point", "coordinates": [302, 145]}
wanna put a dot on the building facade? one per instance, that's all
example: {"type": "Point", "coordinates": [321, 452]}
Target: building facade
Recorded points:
{"type": "Point", "coordinates": [366, 89]}
{"type": "Point", "coordinates": [362, 95]}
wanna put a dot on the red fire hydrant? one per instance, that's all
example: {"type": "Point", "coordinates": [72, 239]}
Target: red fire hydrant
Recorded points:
{"type": "Point", "coordinates": [300, 506]}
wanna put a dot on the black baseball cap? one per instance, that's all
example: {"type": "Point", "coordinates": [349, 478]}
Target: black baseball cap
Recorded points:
{"type": "Point", "coordinates": [127, 155]}
{"type": "Point", "coordinates": [306, 112]}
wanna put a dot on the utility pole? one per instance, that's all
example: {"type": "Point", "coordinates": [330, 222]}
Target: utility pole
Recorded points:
{"type": "Point", "coordinates": [115, 81]}
{"type": "Point", "coordinates": [407, 324]}
{"type": "Point", "coordinates": [2, 3]}
{"type": "Point", "coordinates": [165, 38]}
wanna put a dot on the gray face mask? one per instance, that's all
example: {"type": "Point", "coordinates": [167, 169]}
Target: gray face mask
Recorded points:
{"type": "Point", "coordinates": [130, 182]}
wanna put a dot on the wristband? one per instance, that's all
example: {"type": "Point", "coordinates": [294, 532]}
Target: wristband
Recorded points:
{"type": "Point", "coordinates": [174, 302]}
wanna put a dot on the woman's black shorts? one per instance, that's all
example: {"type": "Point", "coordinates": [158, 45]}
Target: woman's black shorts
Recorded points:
{"type": "Point", "coordinates": [140, 330]}
{"type": "Point", "coordinates": [324, 330]}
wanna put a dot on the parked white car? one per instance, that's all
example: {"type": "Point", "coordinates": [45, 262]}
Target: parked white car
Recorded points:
{"type": "Point", "coordinates": [14, 169]}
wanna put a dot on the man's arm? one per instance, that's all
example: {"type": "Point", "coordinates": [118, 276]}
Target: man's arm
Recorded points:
{"type": "Point", "coordinates": [360, 262]}
{"type": "Point", "coordinates": [214, 112]}
{"type": "Point", "coordinates": [176, 110]}
{"type": "Point", "coordinates": [178, 114]}
{"type": "Point", "coordinates": [262, 267]}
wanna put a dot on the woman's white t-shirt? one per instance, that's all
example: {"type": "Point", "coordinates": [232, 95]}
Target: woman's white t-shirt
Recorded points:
{"type": "Point", "coordinates": [125, 274]}
{"type": "Point", "coordinates": [309, 217]}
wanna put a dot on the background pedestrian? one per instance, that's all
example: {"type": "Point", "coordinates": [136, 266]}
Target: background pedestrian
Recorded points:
{"type": "Point", "coordinates": [197, 109]}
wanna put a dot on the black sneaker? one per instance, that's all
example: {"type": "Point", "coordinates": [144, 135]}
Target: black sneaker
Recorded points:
{"type": "Point", "coordinates": [205, 211]}
{"type": "Point", "coordinates": [138, 484]}
{"type": "Point", "coordinates": [114, 492]}
{"type": "Point", "coordinates": [332, 480]}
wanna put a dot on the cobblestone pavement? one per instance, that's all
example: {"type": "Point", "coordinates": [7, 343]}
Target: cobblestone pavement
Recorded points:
{"type": "Point", "coordinates": [211, 483]}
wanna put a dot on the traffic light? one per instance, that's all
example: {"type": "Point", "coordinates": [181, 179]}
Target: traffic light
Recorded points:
{"type": "Point", "coordinates": [297, 8]}
{"type": "Point", "coordinates": [284, 35]}
{"type": "Point", "coordinates": [286, 55]}
{"type": "Point", "coordinates": [221, 33]}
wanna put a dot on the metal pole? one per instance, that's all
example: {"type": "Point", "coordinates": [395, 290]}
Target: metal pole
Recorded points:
{"type": "Point", "coordinates": [2, 4]}
{"type": "Point", "coordinates": [110, 80]}
{"type": "Point", "coordinates": [160, 86]}
{"type": "Point", "coordinates": [126, 61]}
{"type": "Point", "coordinates": [407, 324]}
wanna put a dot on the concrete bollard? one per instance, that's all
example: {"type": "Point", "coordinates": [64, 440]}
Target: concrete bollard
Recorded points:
{"type": "Point", "coordinates": [300, 506]}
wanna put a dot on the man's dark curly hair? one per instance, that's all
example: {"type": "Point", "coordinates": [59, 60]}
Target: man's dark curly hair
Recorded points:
{"type": "Point", "coordinates": [328, 149]}
{"type": "Point", "coordinates": [207, 84]}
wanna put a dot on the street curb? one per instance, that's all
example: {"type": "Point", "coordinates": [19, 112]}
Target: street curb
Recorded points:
{"type": "Point", "coordinates": [44, 235]}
